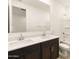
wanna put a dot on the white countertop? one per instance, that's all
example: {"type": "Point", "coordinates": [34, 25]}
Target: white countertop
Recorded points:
{"type": "Point", "coordinates": [29, 41]}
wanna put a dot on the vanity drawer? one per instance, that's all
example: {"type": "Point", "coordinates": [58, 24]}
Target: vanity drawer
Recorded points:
{"type": "Point", "coordinates": [45, 44]}
{"type": "Point", "coordinates": [50, 42]}
{"type": "Point", "coordinates": [55, 42]}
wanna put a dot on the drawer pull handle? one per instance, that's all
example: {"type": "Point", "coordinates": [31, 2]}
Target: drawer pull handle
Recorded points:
{"type": "Point", "coordinates": [14, 56]}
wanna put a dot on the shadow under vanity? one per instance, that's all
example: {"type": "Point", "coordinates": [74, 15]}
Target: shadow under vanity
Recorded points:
{"type": "Point", "coordinates": [40, 49]}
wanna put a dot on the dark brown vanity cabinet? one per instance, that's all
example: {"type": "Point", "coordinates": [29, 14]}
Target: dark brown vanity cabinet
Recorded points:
{"type": "Point", "coordinates": [45, 50]}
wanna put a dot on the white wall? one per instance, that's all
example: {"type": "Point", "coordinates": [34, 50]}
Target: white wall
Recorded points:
{"type": "Point", "coordinates": [37, 19]}
{"type": "Point", "coordinates": [59, 18]}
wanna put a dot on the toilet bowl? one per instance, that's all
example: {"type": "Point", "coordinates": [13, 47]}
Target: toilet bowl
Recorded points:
{"type": "Point", "coordinates": [64, 50]}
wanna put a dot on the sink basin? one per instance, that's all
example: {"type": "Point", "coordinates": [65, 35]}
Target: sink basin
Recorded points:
{"type": "Point", "coordinates": [19, 44]}
{"type": "Point", "coordinates": [22, 42]}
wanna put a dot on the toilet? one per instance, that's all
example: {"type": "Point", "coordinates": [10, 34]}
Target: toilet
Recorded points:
{"type": "Point", "coordinates": [64, 50]}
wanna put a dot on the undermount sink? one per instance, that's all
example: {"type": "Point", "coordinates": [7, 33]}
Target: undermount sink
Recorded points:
{"type": "Point", "coordinates": [20, 41]}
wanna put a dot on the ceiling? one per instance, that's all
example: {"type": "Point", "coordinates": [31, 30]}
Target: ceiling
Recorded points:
{"type": "Point", "coordinates": [65, 3]}
{"type": "Point", "coordinates": [36, 3]}
{"type": "Point", "coordinates": [43, 5]}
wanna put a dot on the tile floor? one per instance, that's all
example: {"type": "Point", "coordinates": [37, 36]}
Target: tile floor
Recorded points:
{"type": "Point", "coordinates": [63, 57]}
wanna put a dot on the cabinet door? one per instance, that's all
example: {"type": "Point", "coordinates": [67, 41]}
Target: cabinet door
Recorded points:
{"type": "Point", "coordinates": [45, 48]}
{"type": "Point", "coordinates": [33, 52]}
{"type": "Point", "coordinates": [50, 49]}
{"type": "Point", "coordinates": [46, 52]}
{"type": "Point", "coordinates": [32, 55]}
{"type": "Point", "coordinates": [54, 49]}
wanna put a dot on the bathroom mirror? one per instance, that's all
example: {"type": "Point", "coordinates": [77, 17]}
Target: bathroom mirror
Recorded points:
{"type": "Point", "coordinates": [18, 20]}
{"type": "Point", "coordinates": [28, 16]}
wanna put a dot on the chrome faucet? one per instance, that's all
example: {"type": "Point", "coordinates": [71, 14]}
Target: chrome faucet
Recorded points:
{"type": "Point", "coordinates": [21, 37]}
{"type": "Point", "coordinates": [44, 34]}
